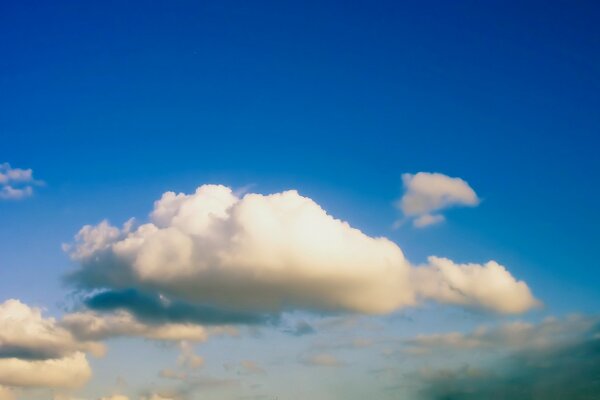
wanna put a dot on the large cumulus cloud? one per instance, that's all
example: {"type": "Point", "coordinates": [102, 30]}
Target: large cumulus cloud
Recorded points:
{"type": "Point", "coordinates": [268, 254]}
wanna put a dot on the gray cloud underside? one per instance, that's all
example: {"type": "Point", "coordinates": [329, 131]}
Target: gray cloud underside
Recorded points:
{"type": "Point", "coordinates": [568, 370]}
{"type": "Point", "coordinates": [154, 310]}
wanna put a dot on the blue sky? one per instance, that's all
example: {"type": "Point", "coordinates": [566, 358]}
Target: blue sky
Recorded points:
{"type": "Point", "coordinates": [113, 104]}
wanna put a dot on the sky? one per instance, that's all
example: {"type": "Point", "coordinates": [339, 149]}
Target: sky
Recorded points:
{"type": "Point", "coordinates": [290, 200]}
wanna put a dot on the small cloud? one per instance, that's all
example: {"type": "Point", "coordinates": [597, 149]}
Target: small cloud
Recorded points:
{"type": "Point", "coordinates": [251, 367]}
{"type": "Point", "coordinates": [187, 358]}
{"type": "Point", "coordinates": [321, 360]}
{"type": "Point", "coordinates": [168, 373]}
{"type": "Point", "coordinates": [16, 183]}
{"type": "Point", "coordinates": [301, 328]}
{"type": "Point", "coordinates": [115, 397]}
{"type": "Point", "coordinates": [428, 219]}
{"type": "Point", "coordinates": [428, 193]}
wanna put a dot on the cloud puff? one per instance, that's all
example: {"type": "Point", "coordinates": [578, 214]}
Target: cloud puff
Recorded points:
{"type": "Point", "coordinates": [227, 258]}
{"type": "Point", "coordinates": [188, 358]}
{"type": "Point", "coordinates": [489, 286]}
{"type": "Point", "coordinates": [94, 326]}
{"type": "Point", "coordinates": [321, 360]}
{"type": "Point", "coordinates": [38, 352]}
{"type": "Point", "coordinates": [68, 372]}
{"type": "Point", "coordinates": [427, 193]}
{"type": "Point", "coordinates": [515, 335]}
{"type": "Point", "coordinates": [26, 334]}
{"type": "Point", "coordinates": [157, 397]}
{"type": "Point", "coordinates": [16, 183]}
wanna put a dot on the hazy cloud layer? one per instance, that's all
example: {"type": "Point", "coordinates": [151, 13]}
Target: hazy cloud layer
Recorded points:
{"type": "Point", "coordinates": [16, 183]}
{"type": "Point", "coordinates": [511, 336]}
{"type": "Point", "coordinates": [427, 194]}
{"type": "Point", "coordinates": [555, 359]}
{"type": "Point", "coordinates": [211, 251]}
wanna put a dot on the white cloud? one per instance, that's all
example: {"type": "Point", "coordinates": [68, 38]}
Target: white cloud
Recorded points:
{"type": "Point", "coordinates": [38, 352]}
{"type": "Point", "coordinates": [488, 286]}
{"type": "Point", "coordinates": [428, 219]}
{"type": "Point", "coordinates": [16, 183]}
{"type": "Point", "coordinates": [251, 367]}
{"type": "Point", "coordinates": [428, 193]}
{"type": "Point", "coordinates": [188, 358]}
{"type": "Point", "coordinates": [322, 360]}
{"type": "Point", "coordinates": [168, 373]}
{"type": "Point", "coordinates": [157, 397]}
{"type": "Point", "coordinates": [68, 372]}
{"type": "Point", "coordinates": [115, 397]}
{"type": "Point", "coordinates": [25, 333]}
{"type": "Point", "coordinates": [272, 253]}
{"type": "Point", "coordinates": [94, 326]}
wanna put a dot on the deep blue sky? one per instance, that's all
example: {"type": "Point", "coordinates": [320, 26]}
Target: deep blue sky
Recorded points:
{"type": "Point", "coordinates": [112, 103]}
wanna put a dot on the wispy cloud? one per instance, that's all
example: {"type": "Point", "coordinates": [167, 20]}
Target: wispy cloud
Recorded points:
{"type": "Point", "coordinates": [16, 183]}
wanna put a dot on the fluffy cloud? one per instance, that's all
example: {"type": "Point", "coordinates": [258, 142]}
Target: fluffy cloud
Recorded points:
{"type": "Point", "coordinates": [211, 254]}
{"type": "Point", "coordinates": [26, 334]}
{"type": "Point", "coordinates": [488, 286]}
{"type": "Point", "coordinates": [188, 358]}
{"type": "Point", "coordinates": [16, 183]}
{"type": "Point", "coordinates": [94, 326]}
{"type": "Point", "coordinates": [68, 372]}
{"type": "Point", "coordinates": [428, 193]}
{"type": "Point", "coordinates": [38, 352]}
